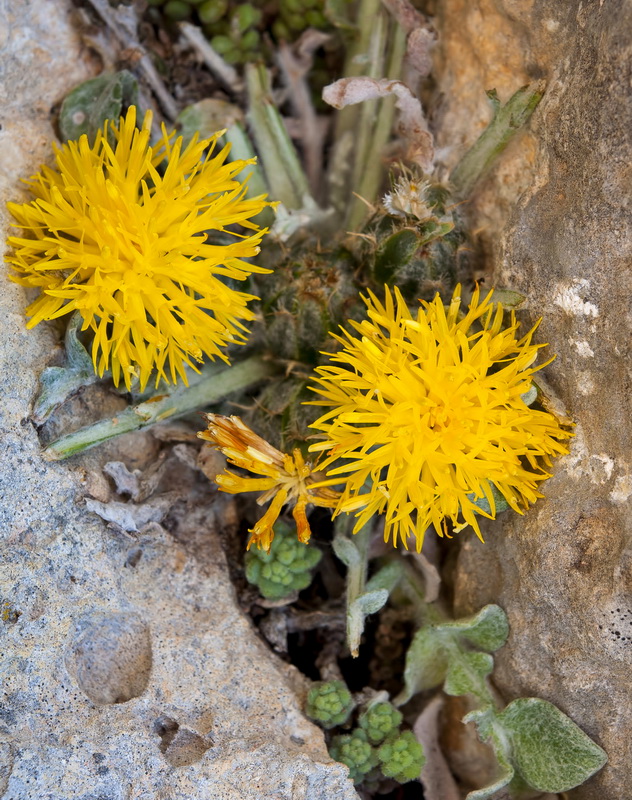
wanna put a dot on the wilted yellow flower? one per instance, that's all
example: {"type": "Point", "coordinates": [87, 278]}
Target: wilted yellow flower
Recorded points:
{"type": "Point", "coordinates": [426, 414]}
{"type": "Point", "coordinates": [117, 231]}
{"type": "Point", "coordinates": [288, 479]}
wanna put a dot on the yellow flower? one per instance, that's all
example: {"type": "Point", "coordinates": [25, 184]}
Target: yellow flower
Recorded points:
{"type": "Point", "coordinates": [118, 232]}
{"type": "Point", "coordinates": [426, 415]}
{"type": "Point", "coordinates": [287, 479]}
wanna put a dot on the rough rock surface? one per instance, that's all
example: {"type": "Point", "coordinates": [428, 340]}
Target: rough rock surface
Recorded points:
{"type": "Point", "coordinates": [128, 670]}
{"type": "Point", "coordinates": [558, 210]}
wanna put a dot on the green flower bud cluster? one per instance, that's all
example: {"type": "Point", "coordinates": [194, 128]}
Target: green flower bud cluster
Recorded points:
{"type": "Point", "coordinates": [287, 568]}
{"type": "Point", "coordinates": [354, 750]}
{"type": "Point", "coordinates": [329, 703]}
{"type": "Point", "coordinates": [235, 36]}
{"type": "Point", "coordinates": [401, 757]}
{"type": "Point", "coordinates": [297, 15]}
{"type": "Point", "coordinates": [231, 28]}
{"type": "Point", "coordinates": [377, 747]}
{"type": "Point", "coordinates": [380, 721]}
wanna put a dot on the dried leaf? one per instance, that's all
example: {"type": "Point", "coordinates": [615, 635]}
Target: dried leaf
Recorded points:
{"type": "Point", "coordinates": [133, 517]}
{"type": "Point", "coordinates": [432, 579]}
{"type": "Point", "coordinates": [419, 50]}
{"type": "Point", "coordinates": [412, 125]}
{"type": "Point", "coordinates": [436, 776]}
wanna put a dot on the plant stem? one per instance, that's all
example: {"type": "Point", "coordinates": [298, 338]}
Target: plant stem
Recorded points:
{"type": "Point", "coordinates": [212, 385]}
{"type": "Point", "coordinates": [368, 171]}
{"type": "Point", "coordinates": [507, 120]}
{"type": "Point", "coordinates": [284, 173]}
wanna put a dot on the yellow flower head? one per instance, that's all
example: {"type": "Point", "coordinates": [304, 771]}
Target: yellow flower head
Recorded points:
{"type": "Point", "coordinates": [426, 414]}
{"type": "Point", "coordinates": [118, 232]}
{"type": "Point", "coordinates": [287, 479]}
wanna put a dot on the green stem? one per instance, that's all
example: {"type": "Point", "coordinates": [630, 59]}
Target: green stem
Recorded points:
{"type": "Point", "coordinates": [507, 120]}
{"type": "Point", "coordinates": [284, 173]}
{"type": "Point", "coordinates": [348, 119]}
{"type": "Point", "coordinates": [212, 385]}
{"type": "Point", "coordinates": [368, 172]}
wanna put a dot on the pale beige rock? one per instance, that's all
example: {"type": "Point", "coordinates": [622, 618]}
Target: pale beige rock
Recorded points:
{"type": "Point", "coordinates": [128, 670]}
{"type": "Point", "coordinates": [556, 220]}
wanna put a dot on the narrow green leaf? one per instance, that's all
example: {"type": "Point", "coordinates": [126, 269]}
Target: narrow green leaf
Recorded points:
{"type": "Point", "coordinates": [281, 164]}
{"type": "Point", "coordinates": [507, 120]}
{"type": "Point", "coordinates": [551, 753]}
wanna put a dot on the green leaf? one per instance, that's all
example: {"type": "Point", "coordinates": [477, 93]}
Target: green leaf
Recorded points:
{"type": "Point", "coordinates": [467, 673]}
{"type": "Point", "coordinates": [483, 503]}
{"type": "Point", "coordinates": [507, 298]}
{"type": "Point", "coordinates": [370, 602]}
{"type": "Point", "coordinates": [386, 578]}
{"type": "Point", "coordinates": [346, 551]}
{"type": "Point", "coordinates": [281, 163]}
{"type": "Point", "coordinates": [357, 611]}
{"type": "Point", "coordinates": [426, 664]}
{"type": "Point", "coordinates": [394, 253]}
{"type": "Point", "coordinates": [488, 629]}
{"type": "Point", "coordinates": [508, 119]}
{"type": "Point", "coordinates": [58, 383]}
{"type": "Point", "coordinates": [86, 108]}
{"type": "Point", "coordinates": [530, 397]}
{"type": "Point", "coordinates": [551, 753]}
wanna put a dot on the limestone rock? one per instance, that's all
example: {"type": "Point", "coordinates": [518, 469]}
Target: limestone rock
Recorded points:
{"type": "Point", "coordinates": [128, 670]}
{"type": "Point", "coordinates": [557, 220]}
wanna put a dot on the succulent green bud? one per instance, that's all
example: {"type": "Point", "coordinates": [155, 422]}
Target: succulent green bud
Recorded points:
{"type": "Point", "coordinates": [355, 751]}
{"type": "Point", "coordinates": [380, 721]}
{"type": "Point", "coordinates": [401, 757]}
{"type": "Point", "coordinates": [212, 11]}
{"type": "Point", "coordinates": [177, 10]}
{"type": "Point", "coordinates": [287, 568]}
{"type": "Point", "coordinates": [223, 44]}
{"type": "Point", "coordinates": [247, 16]}
{"type": "Point", "coordinates": [329, 703]}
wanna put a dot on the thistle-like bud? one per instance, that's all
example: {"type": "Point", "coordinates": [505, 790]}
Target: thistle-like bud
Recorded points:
{"type": "Point", "coordinates": [285, 568]}
{"type": "Point", "coordinates": [380, 721]}
{"type": "Point", "coordinates": [329, 703]}
{"type": "Point", "coordinates": [401, 757]}
{"type": "Point", "coordinates": [354, 750]}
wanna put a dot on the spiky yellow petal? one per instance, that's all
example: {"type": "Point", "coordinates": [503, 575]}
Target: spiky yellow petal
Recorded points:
{"type": "Point", "coordinates": [289, 478]}
{"type": "Point", "coordinates": [118, 231]}
{"type": "Point", "coordinates": [425, 414]}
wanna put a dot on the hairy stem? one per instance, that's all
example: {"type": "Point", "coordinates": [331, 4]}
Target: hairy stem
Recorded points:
{"type": "Point", "coordinates": [212, 385]}
{"type": "Point", "coordinates": [508, 119]}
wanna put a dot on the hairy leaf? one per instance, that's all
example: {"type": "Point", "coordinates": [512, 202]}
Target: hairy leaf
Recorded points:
{"type": "Point", "coordinates": [551, 753]}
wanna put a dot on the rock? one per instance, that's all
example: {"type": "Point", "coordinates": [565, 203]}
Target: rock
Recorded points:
{"type": "Point", "coordinates": [556, 217]}
{"type": "Point", "coordinates": [110, 658]}
{"type": "Point", "coordinates": [127, 668]}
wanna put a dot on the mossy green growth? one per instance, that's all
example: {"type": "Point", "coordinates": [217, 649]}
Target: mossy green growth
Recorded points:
{"type": "Point", "coordinates": [329, 703]}
{"type": "Point", "coordinates": [287, 568]}
{"type": "Point", "coordinates": [380, 721]}
{"type": "Point", "coordinates": [354, 750]}
{"type": "Point", "coordinates": [401, 757]}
